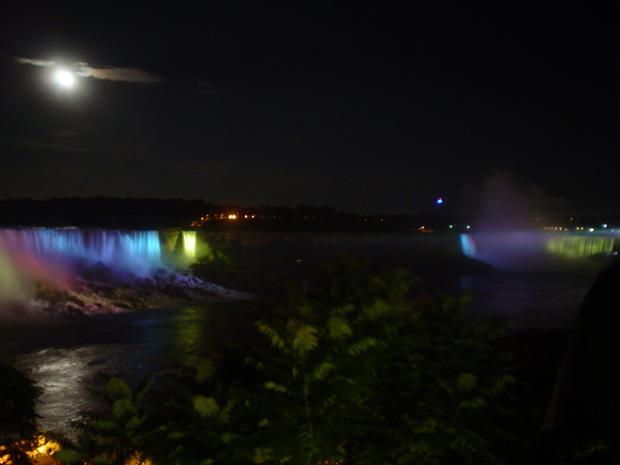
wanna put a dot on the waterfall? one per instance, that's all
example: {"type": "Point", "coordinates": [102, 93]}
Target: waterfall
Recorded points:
{"type": "Point", "coordinates": [63, 259]}
{"type": "Point", "coordinates": [136, 251]}
{"type": "Point", "coordinates": [11, 286]}
{"type": "Point", "coordinates": [189, 244]}
{"type": "Point", "coordinates": [518, 250]}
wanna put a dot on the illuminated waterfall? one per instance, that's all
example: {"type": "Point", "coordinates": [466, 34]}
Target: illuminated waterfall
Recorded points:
{"type": "Point", "coordinates": [514, 250]}
{"type": "Point", "coordinates": [11, 286]}
{"type": "Point", "coordinates": [179, 247]}
{"type": "Point", "coordinates": [135, 251]}
{"type": "Point", "coordinates": [580, 246]}
{"type": "Point", "coordinates": [53, 257]}
{"type": "Point", "coordinates": [189, 244]}
{"type": "Point", "coordinates": [468, 245]}
{"type": "Point", "coordinates": [138, 251]}
{"type": "Point", "coordinates": [169, 240]}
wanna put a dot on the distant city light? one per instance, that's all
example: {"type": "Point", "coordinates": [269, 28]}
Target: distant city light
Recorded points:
{"type": "Point", "coordinates": [468, 227]}
{"type": "Point", "coordinates": [232, 216]}
{"type": "Point", "coordinates": [439, 201]}
{"type": "Point", "coordinates": [451, 226]}
{"type": "Point", "coordinates": [590, 229]}
{"type": "Point", "coordinates": [604, 225]}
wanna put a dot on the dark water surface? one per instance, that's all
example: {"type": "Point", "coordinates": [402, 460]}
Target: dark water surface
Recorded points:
{"type": "Point", "coordinates": [69, 358]}
{"type": "Point", "coordinates": [528, 300]}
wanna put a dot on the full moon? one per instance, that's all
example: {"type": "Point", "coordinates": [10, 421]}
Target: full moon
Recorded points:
{"type": "Point", "coordinates": [64, 78]}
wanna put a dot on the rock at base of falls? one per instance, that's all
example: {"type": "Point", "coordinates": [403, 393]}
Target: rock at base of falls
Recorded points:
{"type": "Point", "coordinates": [86, 296]}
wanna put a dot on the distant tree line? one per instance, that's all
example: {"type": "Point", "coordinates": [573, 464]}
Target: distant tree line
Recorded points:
{"type": "Point", "coordinates": [113, 212]}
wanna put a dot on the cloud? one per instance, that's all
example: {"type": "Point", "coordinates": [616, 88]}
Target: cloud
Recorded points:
{"type": "Point", "coordinates": [111, 73]}
{"type": "Point", "coordinates": [103, 72]}
{"type": "Point", "coordinates": [33, 61]}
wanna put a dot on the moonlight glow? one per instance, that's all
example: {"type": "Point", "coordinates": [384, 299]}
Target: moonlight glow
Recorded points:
{"type": "Point", "coordinates": [64, 79]}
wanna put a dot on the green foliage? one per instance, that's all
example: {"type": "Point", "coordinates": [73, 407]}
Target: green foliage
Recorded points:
{"type": "Point", "coordinates": [338, 329]}
{"type": "Point", "coordinates": [205, 369]}
{"type": "Point", "coordinates": [118, 389]}
{"type": "Point", "coordinates": [374, 369]}
{"type": "Point", "coordinates": [363, 370]}
{"type": "Point", "coordinates": [180, 417]}
{"type": "Point", "coordinates": [70, 456]}
{"type": "Point", "coordinates": [205, 406]}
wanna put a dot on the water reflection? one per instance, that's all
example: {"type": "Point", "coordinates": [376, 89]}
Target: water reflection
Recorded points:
{"type": "Point", "coordinates": [67, 360]}
{"type": "Point", "coordinates": [188, 329]}
{"type": "Point", "coordinates": [64, 376]}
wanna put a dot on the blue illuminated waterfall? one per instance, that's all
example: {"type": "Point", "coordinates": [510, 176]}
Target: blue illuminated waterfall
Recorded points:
{"type": "Point", "coordinates": [55, 257]}
{"type": "Point", "coordinates": [136, 251]}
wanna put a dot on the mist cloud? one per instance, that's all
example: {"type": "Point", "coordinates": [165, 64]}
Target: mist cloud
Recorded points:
{"type": "Point", "coordinates": [506, 202]}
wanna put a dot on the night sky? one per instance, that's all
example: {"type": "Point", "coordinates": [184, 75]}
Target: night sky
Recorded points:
{"type": "Point", "coordinates": [369, 109]}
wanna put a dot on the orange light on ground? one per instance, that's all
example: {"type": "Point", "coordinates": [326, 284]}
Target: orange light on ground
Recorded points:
{"type": "Point", "coordinates": [42, 453]}
{"type": "Point", "coordinates": [138, 459]}
{"type": "Point", "coordinates": [44, 450]}
{"type": "Point", "coordinates": [232, 216]}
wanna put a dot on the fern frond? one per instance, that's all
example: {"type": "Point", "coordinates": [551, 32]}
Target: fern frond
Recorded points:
{"type": "Point", "coordinates": [362, 346]}
{"type": "Point", "coordinates": [379, 309]}
{"type": "Point", "coordinates": [271, 386]}
{"type": "Point", "coordinates": [323, 370]}
{"type": "Point", "coordinates": [224, 414]}
{"type": "Point", "coordinates": [338, 329]}
{"type": "Point", "coordinates": [271, 334]}
{"type": "Point", "coordinates": [305, 340]}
